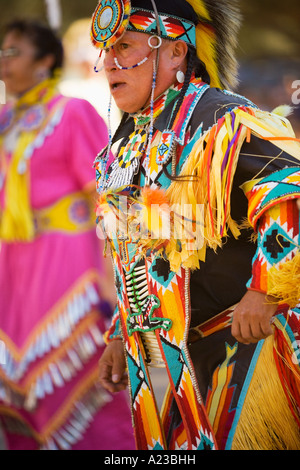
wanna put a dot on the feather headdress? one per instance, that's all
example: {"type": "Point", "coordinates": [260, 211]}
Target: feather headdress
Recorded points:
{"type": "Point", "coordinates": [216, 39]}
{"type": "Point", "coordinates": [210, 26]}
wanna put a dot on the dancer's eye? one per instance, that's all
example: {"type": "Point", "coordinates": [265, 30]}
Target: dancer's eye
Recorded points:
{"type": "Point", "coordinates": [124, 45]}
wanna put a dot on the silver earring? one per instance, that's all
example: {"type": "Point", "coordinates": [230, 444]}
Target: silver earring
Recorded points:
{"type": "Point", "coordinates": [180, 76]}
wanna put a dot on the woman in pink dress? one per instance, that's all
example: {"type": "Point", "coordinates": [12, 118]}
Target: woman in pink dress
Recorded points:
{"type": "Point", "coordinates": [54, 288]}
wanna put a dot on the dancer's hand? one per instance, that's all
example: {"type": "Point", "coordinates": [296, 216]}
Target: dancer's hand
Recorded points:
{"type": "Point", "coordinates": [252, 318]}
{"type": "Point", "coordinates": [112, 367]}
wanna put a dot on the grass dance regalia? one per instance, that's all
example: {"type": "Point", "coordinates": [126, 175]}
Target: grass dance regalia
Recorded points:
{"type": "Point", "coordinates": [199, 145]}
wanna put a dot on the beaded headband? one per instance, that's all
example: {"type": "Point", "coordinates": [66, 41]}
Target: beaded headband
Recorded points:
{"type": "Point", "coordinates": [171, 27]}
{"type": "Point", "coordinates": [113, 17]}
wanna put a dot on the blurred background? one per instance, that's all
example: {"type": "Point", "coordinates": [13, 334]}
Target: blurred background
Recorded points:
{"type": "Point", "coordinates": [268, 52]}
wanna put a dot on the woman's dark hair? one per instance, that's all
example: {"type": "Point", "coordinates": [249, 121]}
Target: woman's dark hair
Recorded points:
{"type": "Point", "coordinates": [42, 37]}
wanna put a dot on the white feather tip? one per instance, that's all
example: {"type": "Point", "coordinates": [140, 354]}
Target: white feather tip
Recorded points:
{"type": "Point", "coordinates": [284, 110]}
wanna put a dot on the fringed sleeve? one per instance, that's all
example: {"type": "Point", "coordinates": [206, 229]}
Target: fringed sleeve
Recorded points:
{"type": "Point", "coordinates": [274, 214]}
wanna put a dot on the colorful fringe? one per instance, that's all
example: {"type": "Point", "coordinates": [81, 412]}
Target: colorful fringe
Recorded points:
{"type": "Point", "coordinates": [270, 416]}
{"type": "Point", "coordinates": [206, 184]}
{"type": "Point", "coordinates": [210, 166]}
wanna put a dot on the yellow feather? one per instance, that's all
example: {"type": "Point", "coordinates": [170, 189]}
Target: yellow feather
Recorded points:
{"type": "Point", "coordinates": [200, 8]}
{"type": "Point", "coordinates": [206, 51]}
{"type": "Point", "coordinates": [206, 42]}
{"type": "Point", "coordinates": [283, 110]}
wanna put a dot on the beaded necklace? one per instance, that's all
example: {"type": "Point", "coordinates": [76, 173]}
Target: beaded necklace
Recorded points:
{"type": "Point", "coordinates": [143, 117]}
{"type": "Point", "coordinates": [126, 164]}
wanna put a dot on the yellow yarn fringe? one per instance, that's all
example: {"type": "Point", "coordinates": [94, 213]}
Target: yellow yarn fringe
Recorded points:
{"type": "Point", "coordinates": [266, 421]}
{"type": "Point", "coordinates": [205, 187]}
{"type": "Point", "coordinates": [284, 282]}
{"type": "Point", "coordinates": [17, 221]}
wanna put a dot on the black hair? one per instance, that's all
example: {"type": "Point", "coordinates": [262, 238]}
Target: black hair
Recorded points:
{"type": "Point", "coordinates": [194, 65]}
{"type": "Point", "coordinates": [42, 37]}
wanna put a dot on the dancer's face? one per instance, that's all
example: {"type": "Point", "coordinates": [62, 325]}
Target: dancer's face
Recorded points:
{"type": "Point", "coordinates": [131, 89]}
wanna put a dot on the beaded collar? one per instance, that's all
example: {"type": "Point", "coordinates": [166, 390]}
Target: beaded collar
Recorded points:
{"type": "Point", "coordinates": [143, 117]}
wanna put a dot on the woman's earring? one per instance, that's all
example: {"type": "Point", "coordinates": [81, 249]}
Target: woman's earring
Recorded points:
{"type": "Point", "coordinates": [180, 76]}
{"type": "Point", "coordinates": [42, 74]}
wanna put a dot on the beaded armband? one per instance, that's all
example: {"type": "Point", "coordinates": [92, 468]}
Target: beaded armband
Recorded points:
{"type": "Point", "coordinates": [273, 213]}
{"type": "Point", "coordinates": [277, 246]}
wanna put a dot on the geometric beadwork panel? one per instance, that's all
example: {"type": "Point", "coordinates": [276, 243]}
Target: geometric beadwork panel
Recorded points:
{"type": "Point", "coordinates": [276, 244]}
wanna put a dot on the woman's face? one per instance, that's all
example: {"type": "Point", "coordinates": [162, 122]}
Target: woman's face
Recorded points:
{"type": "Point", "coordinates": [20, 70]}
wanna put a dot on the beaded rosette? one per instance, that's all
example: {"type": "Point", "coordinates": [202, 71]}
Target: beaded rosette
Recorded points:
{"type": "Point", "coordinates": [109, 22]}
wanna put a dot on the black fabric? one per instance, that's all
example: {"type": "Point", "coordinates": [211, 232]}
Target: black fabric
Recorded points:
{"type": "Point", "coordinates": [179, 8]}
